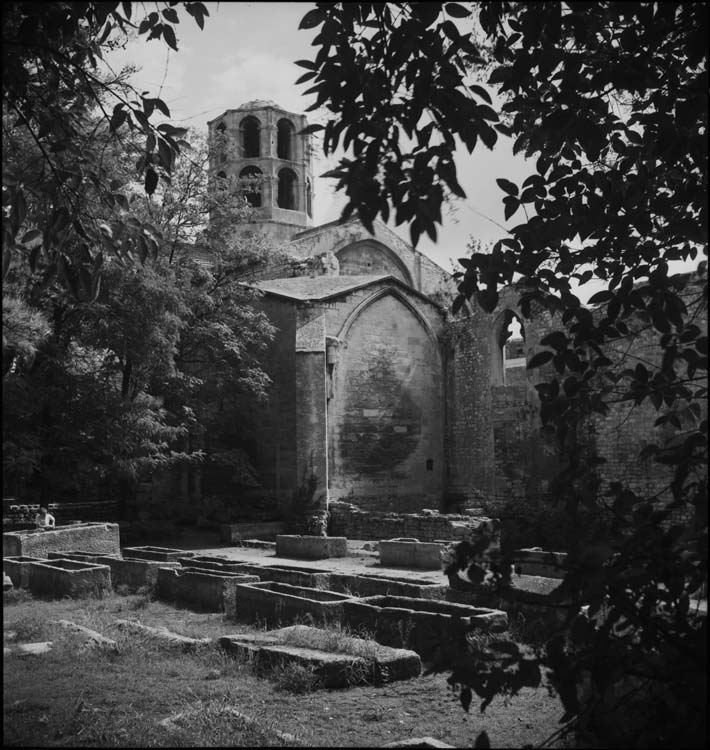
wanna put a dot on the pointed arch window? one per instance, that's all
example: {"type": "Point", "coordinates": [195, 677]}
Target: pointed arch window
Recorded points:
{"type": "Point", "coordinates": [285, 133]}
{"type": "Point", "coordinates": [250, 179]}
{"type": "Point", "coordinates": [508, 349]}
{"type": "Point", "coordinates": [287, 189]}
{"type": "Point", "coordinates": [250, 132]}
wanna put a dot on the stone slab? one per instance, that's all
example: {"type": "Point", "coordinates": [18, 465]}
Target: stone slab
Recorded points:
{"type": "Point", "coordinates": [424, 555]}
{"type": "Point", "coordinates": [59, 578]}
{"type": "Point", "coordinates": [311, 547]}
{"type": "Point", "coordinates": [204, 590]}
{"type": "Point", "coordinates": [336, 669]}
{"type": "Point", "coordinates": [91, 537]}
{"type": "Point", "coordinates": [237, 533]}
{"type": "Point", "coordinates": [164, 635]}
{"type": "Point", "coordinates": [28, 649]}
{"type": "Point", "coordinates": [80, 555]}
{"type": "Point", "coordinates": [93, 637]}
{"type": "Point", "coordinates": [535, 561]}
{"type": "Point", "coordinates": [419, 742]}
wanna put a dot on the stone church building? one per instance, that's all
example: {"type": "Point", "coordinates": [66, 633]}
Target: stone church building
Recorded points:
{"type": "Point", "coordinates": [380, 397]}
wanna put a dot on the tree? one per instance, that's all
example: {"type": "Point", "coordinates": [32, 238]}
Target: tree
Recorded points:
{"type": "Point", "coordinates": [610, 99]}
{"type": "Point", "coordinates": [57, 93]}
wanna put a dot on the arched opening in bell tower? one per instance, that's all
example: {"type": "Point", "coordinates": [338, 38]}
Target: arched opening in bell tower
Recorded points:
{"type": "Point", "coordinates": [287, 189]}
{"type": "Point", "coordinates": [250, 179]}
{"type": "Point", "coordinates": [285, 133]}
{"type": "Point", "coordinates": [250, 136]}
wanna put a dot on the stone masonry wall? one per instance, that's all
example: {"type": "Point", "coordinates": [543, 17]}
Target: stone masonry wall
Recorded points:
{"type": "Point", "coordinates": [354, 523]}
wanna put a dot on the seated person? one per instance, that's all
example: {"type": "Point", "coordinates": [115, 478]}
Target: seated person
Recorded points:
{"type": "Point", "coordinates": [44, 519]}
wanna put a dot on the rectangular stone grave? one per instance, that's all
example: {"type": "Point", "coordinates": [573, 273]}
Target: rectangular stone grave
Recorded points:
{"type": "Point", "coordinates": [410, 554]}
{"type": "Point", "coordinates": [18, 568]}
{"type": "Point", "coordinates": [311, 547]}
{"type": "Point", "coordinates": [419, 624]}
{"type": "Point", "coordinates": [382, 586]}
{"type": "Point", "coordinates": [74, 578]}
{"type": "Point", "coordinates": [209, 562]}
{"type": "Point", "coordinates": [101, 538]}
{"type": "Point", "coordinates": [162, 554]}
{"type": "Point", "coordinates": [538, 562]}
{"type": "Point", "coordinates": [354, 661]}
{"type": "Point", "coordinates": [134, 574]}
{"type": "Point", "coordinates": [204, 590]}
{"type": "Point", "coordinates": [275, 603]}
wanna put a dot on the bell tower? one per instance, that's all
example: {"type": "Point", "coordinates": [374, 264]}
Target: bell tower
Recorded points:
{"type": "Point", "coordinates": [257, 150]}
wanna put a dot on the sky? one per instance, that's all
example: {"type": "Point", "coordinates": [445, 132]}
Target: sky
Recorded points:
{"type": "Point", "coordinates": [248, 51]}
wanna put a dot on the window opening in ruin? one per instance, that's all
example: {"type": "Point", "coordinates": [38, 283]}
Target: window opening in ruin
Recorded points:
{"type": "Point", "coordinates": [287, 189]}
{"type": "Point", "coordinates": [508, 351]}
{"type": "Point", "coordinates": [430, 464]}
{"type": "Point", "coordinates": [309, 199]}
{"type": "Point", "coordinates": [285, 139]}
{"type": "Point", "coordinates": [221, 128]}
{"type": "Point", "coordinates": [250, 182]}
{"type": "Point", "coordinates": [250, 128]}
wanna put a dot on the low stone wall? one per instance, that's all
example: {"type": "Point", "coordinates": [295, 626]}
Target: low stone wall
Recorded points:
{"type": "Point", "coordinates": [18, 568]}
{"type": "Point", "coordinates": [311, 547]}
{"type": "Point", "coordinates": [382, 586]}
{"type": "Point", "coordinates": [234, 533]}
{"type": "Point", "coordinates": [418, 624]}
{"type": "Point", "coordinates": [90, 537]}
{"type": "Point", "coordinates": [58, 578]}
{"type": "Point", "coordinates": [79, 555]}
{"type": "Point", "coordinates": [205, 590]}
{"type": "Point", "coordinates": [351, 522]}
{"type": "Point", "coordinates": [162, 554]}
{"type": "Point", "coordinates": [397, 553]}
{"type": "Point", "coordinates": [276, 603]}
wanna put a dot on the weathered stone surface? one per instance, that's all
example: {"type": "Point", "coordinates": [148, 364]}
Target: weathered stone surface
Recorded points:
{"type": "Point", "coordinates": [240, 533]}
{"type": "Point", "coordinates": [419, 624]}
{"type": "Point", "coordinates": [6, 582]}
{"type": "Point", "coordinates": [364, 585]}
{"type": "Point", "coordinates": [58, 578]}
{"type": "Point", "coordinates": [162, 554]}
{"type": "Point", "coordinates": [28, 649]}
{"type": "Point", "coordinates": [164, 635]}
{"type": "Point", "coordinates": [311, 547]}
{"type": "Point", "coordinates": [348, 666]}
{"type": "Point", "coordinates": [91, 537]}
{"type": "Point", "coordinates": [134, 574]}
{"type": "Point", "coordinates": [80, 555]}
{"type": "Point", "coordinates": [281, 603]}
{"type": "Point", "coordinates": [424, 555]}
{"type": "Point", "coordinates": [18, 569]}
{"type": "Point", "coordinates": [538, 562]}
{"type": "Point", "coordinates": [93, 637]}
{"type": "Point", "coordinates": [206, 590]}
{"type": "Point", "coordinates": [422, 742]}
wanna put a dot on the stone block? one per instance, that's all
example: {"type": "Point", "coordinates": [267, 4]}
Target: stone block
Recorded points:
{"type": "Point", "coordinates": [423, 555]}
{"type": "Point", "coordinates": [165, 636]}
{"type": "Point", "coordinates": [538, 562]}
{"type": "Point", "coordinates": [100, 538]}
{"type": "Point", "coordinates": [236, 533]}
{"type": "Point", "coordinates": [275, 603]}
{"type": "Point", "coordinates": [18, 569]}
{"type": "Point", "coordinates": [80, 555]}
{"type": "Point", "coordinates": [418, 624]}
{"type": "Point", "coordinates": [73, 578]}
{"type": "Point", "coordinates": [204, 590]}
{"type": "Point", "coordinates": [311, 547]}
{"type": "Point", "coordinates": [350, 661]}
{"type": "Point", "coordinates": [162, 554]}
{"type": "Point", "coordinates": [134, 574]}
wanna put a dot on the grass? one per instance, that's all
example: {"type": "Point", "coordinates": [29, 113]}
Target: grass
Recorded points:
{"type": "Point", "coordinates": [145, 695]}
{"type": "Point", "coordinates": [333, 638]}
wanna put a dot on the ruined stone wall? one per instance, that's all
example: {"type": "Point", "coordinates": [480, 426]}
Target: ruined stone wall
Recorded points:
{"type": "Point", "coordinates": [354, 523]}
{"type": "Point", "coordinates": [276, 430]}
{"type": "Point", "coordinates": [386, 409]}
